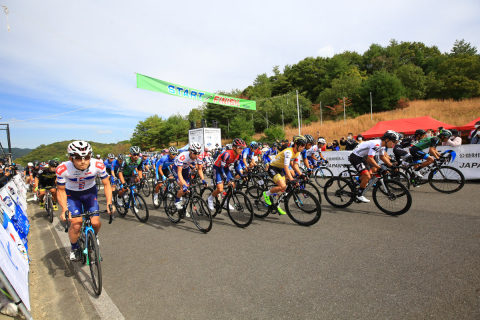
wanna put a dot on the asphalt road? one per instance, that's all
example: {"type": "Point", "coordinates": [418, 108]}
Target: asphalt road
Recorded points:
{"type": "Point", "coordinates": [355, 263]}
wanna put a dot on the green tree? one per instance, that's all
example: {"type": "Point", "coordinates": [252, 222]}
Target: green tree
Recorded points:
{"type": "Point", "coordinates": [241, 127]}
{"type": "Point", "coordinates": [175, 130]}
{"type": "Point", "coordinates": [147, 133]}
{"type": "Point", "coordinates": [386, 90]}
{"type": "Point", "coordinates": [343, 86]}
{"type": "Point", "coordinates": [414, 80]}
{"type": "Point", "coordinates": [461, 76]}
{"type": "Point", "coordinates": [463, 47]}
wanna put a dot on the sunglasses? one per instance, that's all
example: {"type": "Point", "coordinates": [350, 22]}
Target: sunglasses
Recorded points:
{"type": "Point", "coordinates": [196, 153]}
{"type": "Point", "coordinates": [135, 154]}
{"type": "Point", "coordinates": [82, 158]}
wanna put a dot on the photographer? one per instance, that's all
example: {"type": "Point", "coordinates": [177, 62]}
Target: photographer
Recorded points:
{"type": "Point", "coordinates": [5, 175]}
{"type": "Point", "coordinates": [350, 143]}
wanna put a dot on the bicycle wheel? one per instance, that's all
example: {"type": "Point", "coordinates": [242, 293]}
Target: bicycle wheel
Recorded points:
{"type": "Point", "coordinates": [50, 209]}
{"type": "Point", "coordinates": [119, 203]}
{"type": "Point", "coordinates": [242, 213]}
{"type": "Point", "coordinates": [81, 243]}
{"type": "Point", "coordinates": [393, 199]}
{"type": "Point", "coordinates": [339, 192]}
{"type": "Point", "coordinates": [260, 208]}
{"type": "Point", "coordinates": [307, 185]}
{"type": "Point", "coordinates": [400, 177]}
{"type": "Point", "coordinates": [207, 192]}
{"type": "Point", "coordinates": [446, 179]}
{"type": "Point", "coordinates": [322, 175]}
{"type": "Point", "coordinates": [145, 188]}
{"type": "Point", "coordinates": [93, 260]}
{"type": "Point", "coordinates": [303, 207]}
{"type": "Point", "coordinates": [200, 214]}
{"type": "Point", "coordinates": [170, 208]}
{"type": "Point", "coordinates": [140, 208]}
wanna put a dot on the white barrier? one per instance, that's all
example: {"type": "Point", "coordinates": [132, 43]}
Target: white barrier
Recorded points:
{"type": "Point", "coordinates": [13, 241]}
{"type": "Point", "coordinates": [467, 159]}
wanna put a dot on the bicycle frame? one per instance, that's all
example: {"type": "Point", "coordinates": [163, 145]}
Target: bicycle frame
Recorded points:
{"type": "Point", "coordinates": [86, 226]}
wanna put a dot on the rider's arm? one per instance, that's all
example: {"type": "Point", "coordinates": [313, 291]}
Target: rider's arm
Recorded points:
{"type": "Point", "coordinates": [386, 159]}
{"type": "Point", "coordinates": [120, 176]}
{"type": "Point", "coordinates": [296, 168]}
{"type": "Point", "coordinates": [36, 182]}
{"type": "Point", "coordinates": [180, 176]}
{"type": "Point", "coordinates": [108, 191]}
{"type": "Point", "coordinates": [62, 197]}
{"type": "Point", "coordinates": [433, 151]}
{"type": "Point", "coordinates": [371, 161]}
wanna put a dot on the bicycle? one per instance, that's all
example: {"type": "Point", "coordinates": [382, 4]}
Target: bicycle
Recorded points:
{"type": "Point", "coordinates": [321, 174]}
{"type": "Point", "coordinates": [341, 192]}
{"type": "Point", "coordinates": [301, 205]}
{"type": "Point", "coordinates": [144, 187]}
{"type": "Point", "coordinates": [168, 185]}
{"type": "Point", "coordinates": [89, 247]}
{"type": "Point", "coordinates": [48, 203]}
{"type": "Point", "coordinates": [198, 209]}
{"type": "Point", "coordinates": [242, 213]}
{"type": "Point", "coordinates": [98, 182]}
{"type": "Point", "coordinates": [132, 200]}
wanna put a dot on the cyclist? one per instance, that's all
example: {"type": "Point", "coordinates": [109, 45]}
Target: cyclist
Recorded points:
{"type": "Point", "coordinates": [28, 173]}
{"type": "Point", "coordinates": [268, 154]}
{"type": "Point", "coordinates": [427, 142]}
{"type": "Point", "coordinates": [318, 154]}
{"type": "Point", "coordinates": [99, 157]}
{"type": "Point", "coordinates": [307, 153]}
{"type": "Point", "coordinates": [126, 173]}
{"type": "Point", "coordinates": [221, 169]}
{"type": "Point", "coordinates": [146, 162]}
{"type": "Point", "coordinates": [77, 191]}
{"type": "Point", "coordinates": [110, 165]}
{"type": "Point", "coordinates": [279, 168]}
{"type": "Point", "coordinates": [46, 178]}
{"type": "Point", "coordinates": [181, 170]}
{"type": "Point", "coordinates": [163, 169]}
{"type": "Point", "coordinates": [247, 156]}
{"type": "Point", "coordinates": [370, 148]}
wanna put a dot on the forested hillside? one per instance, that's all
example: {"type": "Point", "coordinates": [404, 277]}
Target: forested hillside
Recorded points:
{"type": "Point", "coordinates": [393, 75]}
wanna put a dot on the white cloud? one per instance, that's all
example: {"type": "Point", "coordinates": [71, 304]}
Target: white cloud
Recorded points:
{"type": "Point", "coordinates": [327, 51]}
{"type": "Point", "coordinates": [104, 131]}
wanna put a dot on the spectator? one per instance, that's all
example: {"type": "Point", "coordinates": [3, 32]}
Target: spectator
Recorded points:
{"type": "Point", "coordinates": [454, 140]}
{"type": "Point", "coordinates": [430, 133]}
{"type": "Point", "coordinates": [285, 144]}
{"type": "Point", "coordinates": [360, 139]}
{"type": "Point", "coordinates": [334, 146]}
{"type": "Point", "coordinates": [471, 134]}
{"type": "Point", "coordinates": [350, 143]}
{"type": "Point", "coordinates": [475, 135]}
{"type": "Point", "coordinates": [4, 176]}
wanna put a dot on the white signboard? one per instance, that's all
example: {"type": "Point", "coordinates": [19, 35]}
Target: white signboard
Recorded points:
{"type": "Point", "coordinates": [207, 137]}
{"type": "Point", "coordinates": [195, 135]}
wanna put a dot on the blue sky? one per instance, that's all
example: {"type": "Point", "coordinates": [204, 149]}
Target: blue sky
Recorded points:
{"type": "Point", "coordinates": [209, 45]}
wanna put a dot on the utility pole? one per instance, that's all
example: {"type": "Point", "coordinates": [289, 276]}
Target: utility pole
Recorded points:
{"type": "Point", "coordinates": [298, 114]}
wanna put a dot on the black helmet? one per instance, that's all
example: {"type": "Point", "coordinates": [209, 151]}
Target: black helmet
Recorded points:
{"type": "Point", "coordinates": [420, 132]}
{"type": "Point", "coordinates": [309, 139]}
{"type": "Point", "coordinates": [36, 163]}
{"type": "Point", "coordinates": [53, 163]}
{"type": "Point", "coordinates": [445, 133]}
{"type": "Point", "coordinates": [299, 140]}
{"type": "Point", "coordinates": [275, 145]}
{"type": "Point", "coordinates": [391, 135]}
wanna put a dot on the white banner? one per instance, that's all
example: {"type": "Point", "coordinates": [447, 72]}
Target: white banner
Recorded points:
{"type": "Point", "coordinates": [212, 137]}
{"type": "Point", "coordinates": [467, 159]}
{"type": "Point", "coordinates": [6, 202]}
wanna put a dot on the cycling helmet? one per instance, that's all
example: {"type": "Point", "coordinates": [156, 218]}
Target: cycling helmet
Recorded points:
{"type": "Point", "coordinates": [205, 149]}
{"type": "Point", "coordinates": [391, 135]}
{"type": "Point", "coordinates": [195, 147]}
{"type": "Point", "coordinates": [135, 150]}
{"type": "Point", "coordinates": [321, 140]}
{"type": "Point", "coordinates": [445, 133]}
{"type": "Point", "coordinates": [420, 132]}
{"type": "Point", "coordinates": [98, 156]}
{"type": "Point", "coordinates": [80, 148]}
{"type": "Point", "coordinates": [165, 150]}
{"type": "Point", "coordinates": [120, 156]}
{"type": "Point", "coordinates": [275, 145]}
{"type": "Point", "coordinates": [309, 139]}
{"type": "Point", "coordinates": [56, 159]}
{"type": "Point", "coordinates": [253, 144]}
{"type": "Point", "coordinates": [299, 140]}
{"type": "Point", "coordinates": [53, 163]}
{"type": "Point", "coordinates": [173, 150]}
{"type": "Point", "coordinates": [229, 147]}
{"type": "Point", "coordinates": [36, 163]}
{"type": "Point", "coordinates": [111, 156]}
{"type": "Point", "coordinates": [30, 164]}
{"type": "Point", "coordinates": [239, 143]}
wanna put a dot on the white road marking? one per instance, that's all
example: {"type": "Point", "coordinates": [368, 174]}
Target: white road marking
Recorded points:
{"type": "Point", "coordinates": [103, 304]}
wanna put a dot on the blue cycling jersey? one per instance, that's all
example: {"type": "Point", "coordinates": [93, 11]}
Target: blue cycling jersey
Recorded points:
{"type": "Point", "coordinates": [268, 153]}
{"type": "Point", "coordinates": [247, 154]}
{"type": "Point", "coordinates": [110, 165]}
{"type": "Point", "coordinates": [164, 162]}
{"type": "Point", "coordinates": [146, 162]}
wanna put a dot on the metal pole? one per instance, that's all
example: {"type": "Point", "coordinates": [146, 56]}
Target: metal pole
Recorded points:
{"type": "Point", "coordinates": [8, 138]}
{"type": "Point", "coordinates": [321, 118]}
{"type": "Point", "coordinates": [371, 107]}
{"type": "Point", "coordinates": [298, 114]}
{"type": "Point", "coordinates": [14, 295]}
{"type": "Point", "coordinates": [344, 114]}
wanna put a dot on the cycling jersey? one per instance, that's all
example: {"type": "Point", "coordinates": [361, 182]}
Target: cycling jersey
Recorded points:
{"type": "Point", "coordinates": [183, 160]}
{"type": "Point", "coordinates": [268, 153]}
{"type": "Point", "coordinates": [247, 154]}
{"type": "Point", "coordinates": [369, 148]}
{"type": "Point", "coordinates": [312, 151]}
{"type": "Point", "coordinates": [129, 167]}
{"type": "Point", "coordinates": [427, 143]}
{"type": "Point", "coordinates": [110, 165]}
{"type": "Point", "coordinates": [46, 178]}
{"type": "Point", "coordinates": [221, 167]}
{"type": "Point", "coordinates": [78, 180]}
{"type": "Point", "coordinates": [147, 162]}
{"type": "Point", "coordinates": [283, 158]}
{"type": "Point", "coordinates": [164, 162]}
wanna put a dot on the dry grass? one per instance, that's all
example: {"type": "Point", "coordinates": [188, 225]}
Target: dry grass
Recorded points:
{"type": "Point", "coordinates": [452, 112]}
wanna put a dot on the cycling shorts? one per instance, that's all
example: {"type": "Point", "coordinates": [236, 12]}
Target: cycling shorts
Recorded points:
{"type": "Point", "coordinates": [78, 201]}
{"type": "Point", "coordinates": [312, 161]}
{"type": "Point", "coordinates": [217, 174]}
{"type": "Point", "coordinates": [43, 183]}
{"type": "Point", "coordinates": [359, 163]}
{"type": "Point", "coordinates": [129, 179]}
{"type": "Point", "coordinates": [276, 173]}
{"type": "Point", "coordinates": [417, 154]}
{"type": "Point", "coordinates": [185, 175]}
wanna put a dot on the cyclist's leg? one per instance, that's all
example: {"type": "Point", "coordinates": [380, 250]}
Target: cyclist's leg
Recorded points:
{"type": "Point", "coordinates": [41, 191]}
{"type": "Point", "coordinates": [217, 179]}
{"type": "Point", "coordinates": [361, 165]}
{"type": "Point", "coordinates": [90, 204]}
{"type": "Point", "coordinates": [75, 207]}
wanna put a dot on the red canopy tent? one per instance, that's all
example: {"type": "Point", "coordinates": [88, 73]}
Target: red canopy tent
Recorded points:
{"type": "Point", "coordinates": [408, 126]}
{"type": "Point", "coordinates": [470, 125]}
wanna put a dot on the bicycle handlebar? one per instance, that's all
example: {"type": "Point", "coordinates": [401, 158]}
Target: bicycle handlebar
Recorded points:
{"type": "Point", "coordinates": [89, 214]}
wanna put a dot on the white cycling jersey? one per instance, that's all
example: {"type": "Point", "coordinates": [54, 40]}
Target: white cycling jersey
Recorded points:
{"type": "Point", "coordinates": [312, 151]}
{"type": "Point", "coordinates": [78, 180]}
{"type": "Point", "coordinates": [183, 160]}
{"type": "Point", "coordinates": [369, 148]}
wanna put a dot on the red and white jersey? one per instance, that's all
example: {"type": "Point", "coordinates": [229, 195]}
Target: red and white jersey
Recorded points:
{"type": "Point", "coordinates": [312, 151]}
{"type": "Point", "coordinates": [78, 180]}
{"type": "Point", "coordinates": [369, 148]}
{"type": "Point", "coordinates": [204, 155]}
{"type": "Point", "coordinates": [226, 158]}
{"type": "Point", "coordinates": [183, 160]}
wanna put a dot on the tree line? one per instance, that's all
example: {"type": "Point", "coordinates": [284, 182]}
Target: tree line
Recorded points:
{"type": "Point", "coordinates": [394, 74]}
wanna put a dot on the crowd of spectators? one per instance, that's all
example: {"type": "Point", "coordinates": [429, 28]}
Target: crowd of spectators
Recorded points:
{"type": "Point", "coordinates": [7, 172]}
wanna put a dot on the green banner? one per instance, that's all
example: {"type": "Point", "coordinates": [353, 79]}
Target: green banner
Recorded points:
{"type": "Point", "coordinates": [148, 83]}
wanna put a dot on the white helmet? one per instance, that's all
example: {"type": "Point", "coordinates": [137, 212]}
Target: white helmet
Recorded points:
{"type": "Point", "coordinates": [81, 148]}
{"type": "Point", "coordinates": [111, 156]}
{"type": "Point", "coordinates": [173, 150]}
{"type": "Point", "coordinates": [135, 149]}
{"type": "Point", "coordinates": [321, 140]}
{"type": "Point", "coordinates": [229, 147]}
{"type": "Point", "coordinates": [195, 147]}
{"type": "Point", "coordinates": [30, 164]}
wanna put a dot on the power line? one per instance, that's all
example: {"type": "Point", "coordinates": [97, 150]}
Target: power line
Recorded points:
{"type": "Point", "coordinates": [273, 97]}
{"type": "Point", "coordinates": [58, 34]}
{"type": "Point", "coordinates": [59, 114]}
